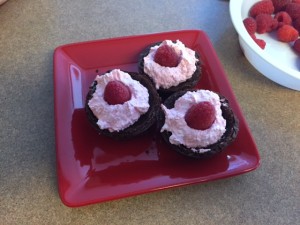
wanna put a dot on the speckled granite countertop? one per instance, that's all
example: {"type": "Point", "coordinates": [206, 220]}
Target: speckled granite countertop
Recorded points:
{"type": "Point", "coordinates": [31, 30]}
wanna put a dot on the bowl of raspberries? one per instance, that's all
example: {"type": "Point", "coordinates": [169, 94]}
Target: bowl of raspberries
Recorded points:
{"type": "Point", "coordinates": [269, 35]}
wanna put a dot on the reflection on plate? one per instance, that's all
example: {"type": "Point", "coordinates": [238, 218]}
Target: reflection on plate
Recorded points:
{"type": "Point", "coordinates": [92, 168]}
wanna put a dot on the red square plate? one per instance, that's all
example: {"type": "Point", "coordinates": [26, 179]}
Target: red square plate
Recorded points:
{"type": "Point", "coordinates": [92, 168]}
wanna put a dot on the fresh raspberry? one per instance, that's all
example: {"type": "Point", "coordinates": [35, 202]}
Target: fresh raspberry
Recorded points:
{"type": "Point", "coordinates": [279, 5]}
{"type": "Point", "coordinates": [287, 33]}
{"type": "Point", "coordinates": [166, 56]}
{"type": "Point", "coordinates": [250, 25]}
{"type": "Point", "coordinates": [293, 9]}
{"type": "Point", "coordinates": [283, 18]}
{"type": "Point", "coordinates": [260, 42]}
{"type": "Point", "coordinates": [200, 116]}
{"type": "Point", "coordinates": [116, 92]}
{"type": "Point", "coordinates": [296, 24]}
{"type": "Point", "coordinates": [296, 46]}
{"type": "Point", "coordinates": [253, 36]}
{"type": "Point", "coordinates": [264, 6]}
{"type": "Point", "coordinates": [265, 23]}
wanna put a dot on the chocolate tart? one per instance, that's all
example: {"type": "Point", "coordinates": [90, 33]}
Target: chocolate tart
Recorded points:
{"type": "Point", "coordinates": [232, 128]}
{"type": "Point", "coordinates": [142, 125]}
{"type": "Point", "coordinates": [188, 84]}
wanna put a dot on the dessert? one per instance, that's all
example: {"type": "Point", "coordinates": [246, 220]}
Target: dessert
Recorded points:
{"type": "Point", "coordinates": [171, 66]}
{"type": "Point", "coordinates": [122, 104]}
{"type": "Point", "coordinates": [197, 123]}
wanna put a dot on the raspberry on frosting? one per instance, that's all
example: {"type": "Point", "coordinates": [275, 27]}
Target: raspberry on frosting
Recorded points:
{"type": "Point", "coordinates": [182, 133]}
{"type": "Point", "coordinates": [200, 116]}
{"type": "Point", "coordinates": [167, 56]}
{"type": "Point", "coordinates": [116, 92]}
{"type": "Point", "coordinates": [117, 117]}
{"type": "Point", "coordinates": [167, 77]}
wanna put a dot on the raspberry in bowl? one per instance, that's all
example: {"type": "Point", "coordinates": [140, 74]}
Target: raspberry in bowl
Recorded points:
{"type": "Point", "coordinates": [269, 49]}
{"type": "Point", "coordinates": [122, 104]}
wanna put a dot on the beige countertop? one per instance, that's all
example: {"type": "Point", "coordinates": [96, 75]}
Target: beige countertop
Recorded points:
{"type": "Point", "coordinates": [31, 30]}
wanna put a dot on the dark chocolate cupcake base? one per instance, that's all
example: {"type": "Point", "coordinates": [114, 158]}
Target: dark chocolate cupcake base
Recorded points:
{"type": "Point", "coordinates": [142, 125]}
{"type": "Point", "coordinates": [189, 83]}
{"type": "Point", "coordinates": [232, 128]}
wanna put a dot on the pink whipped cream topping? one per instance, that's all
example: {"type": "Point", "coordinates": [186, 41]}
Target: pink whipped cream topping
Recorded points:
{"type": "Point", "coordinates": [167, 77]}
{"type": "Point", "coordinates": [182, 133]}
{"type": "Point", "coordinates": [121, 116]}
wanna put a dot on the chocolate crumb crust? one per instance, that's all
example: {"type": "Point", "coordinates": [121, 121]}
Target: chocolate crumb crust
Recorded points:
{"type": "Point", "coordinates": [232, 128]}
{"type": "Point", "coordinates": [142, 125]}
{"type": "Point", "coordinates": [188, 84]}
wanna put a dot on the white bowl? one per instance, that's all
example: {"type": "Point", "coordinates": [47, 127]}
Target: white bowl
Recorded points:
{"type": "Point", "coordinates": [2, 1]}
{"type": "Point", "coordinates": [277, 61]}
